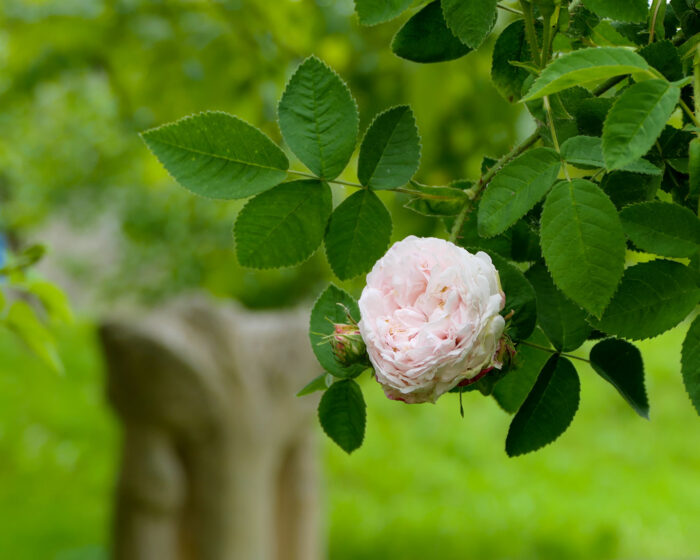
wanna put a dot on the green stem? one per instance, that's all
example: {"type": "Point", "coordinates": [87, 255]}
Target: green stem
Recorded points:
{"type": "Point", "coordinates": [553, 351]}
{"type": "Point", "coordinates": [530, 32]}
{"type": "Point", "coordinates": [553, 131]}
{"type": "Point", "coordinates": [459, 222]}
{"type": "Point", "coordinates": [655, 14]}
{"type": "Point", "coordinates": [509, 9]}
{"type": "Point", "coordinates": [690, 113]}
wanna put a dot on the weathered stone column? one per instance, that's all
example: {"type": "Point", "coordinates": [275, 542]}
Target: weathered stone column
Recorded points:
{"type": "Point", "coordinates": [219, 459]}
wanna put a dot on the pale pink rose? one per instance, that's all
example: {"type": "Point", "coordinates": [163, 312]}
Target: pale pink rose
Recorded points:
{"type": "Point", "coordinates": [430, 318]}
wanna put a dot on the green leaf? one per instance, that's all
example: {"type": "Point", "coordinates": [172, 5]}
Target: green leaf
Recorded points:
{"type": "Point", "coordinates": [520, 299]}
{"type": "Point", "coordinates": [662, 228]}
{"type": "Point", "coordinates": [53, 299]}
{"type": "Point", "coordinates": [620, 364]}
{"type": "Point", "coordinates": [22, 320]}
{"type": "Point", "coordinates": [325, 313]}
{"type": "Point", "coordinates": [625, 188]}
{"type": "Point", "coordinates": [358, 234]}
{"type": "Point", "coordinates": [516, 188]}
{"type": "Point", "coordinates": [584, 66]}
{"type": "Point", "coordinates": [436, 201]}
{"type": "Point", "coordinates": [621, 10]}
{"type": "Point", "coordinates": [590, 115]}
{"type": "Point", "coordinates": [372, 12]}
{"type": "Point", "coordinates": [320, 383]}
{"type": "Point", "coordinates": [563, 321]}
{"type": "Point", "coordinates": [663, 56]}
{"type": "Point", "coordinates": [426, 38]}
{"type": "Point", "coordinates": [511, 45]}
{"type": "Point", "coordinates": [342, 414]}
{"type": "Point", "coordinates": [511, 391]}
{"type": "Point", "coordinates": [390, 151]}
{"type": "Point", "coordinates": [217, 155]}
{"type": "Point", "coordinates": [652, 298]}
{"type": "Point", "coordinates": [284, 226]}
{"type": "Point", "coordinates": [690, 363]}
{"type": "Point", "coordinates": [470, 21]}
{"type": "Point", "coordinates": [583, 243]}
{"type": "Point", "coordinates": [694, 169]}
{"type": "Point", "coordinates": [636, 120]}
{"type": "Point", "coordinates": [318, 118]}
{"type": "Point", "coordinates": [588, 151]}
{"type": "Point", "coordinates": [548, 410]}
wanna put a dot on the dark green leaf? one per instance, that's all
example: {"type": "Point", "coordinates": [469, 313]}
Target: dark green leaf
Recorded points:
{"type": "Point", "coordinates": [426, 38]}
{"type": "Point", "coordinates": [390, 151]}
{"type": "Point", "coordinates": [218, 156]}
{"type": "Point", "coordinates": [663, 56]}
{"type": "Point", "coordinates": [636, 120]}
{"type": "Point", "coordinates": [358, 234]}
{"type": "Point", "coordinates": [470, 21]}
{"type": "Point", "coordinates": [516, 188]}
{"type": "Point", "coordinates": [342, 414]}
{"type": "Point", "coordinates": [587, 151]}
{"type": "Point", "coordinates": [652, 298]}
{"type": "Point", "coordinates": [563, 321]}
{"type": "Point", "coordinates": [511, 391]}
{"type": "Point", "coordinates": [548, 410]}
{"type": "Point", "coordinates": [325, 313]}
{"type": "Point", "coordinates": [520, 299]}
{"type": "Point", "coordinates": [584, 66]}
{"type": "Point", "coordinates": [319, 383]}
{"type": "Point", "coordinates": [283, 226]}
{"type": "Point", "coordinates": [620, 363]}
{"type": "Point", "coordinates": [318, 118]}
{"type": "Point", "coordinates": [625, 188]}
{"type": "Point", "coordinates": [621, 10]}
{"type": "Point", "coordinates": [662, 228]}
{"type": "Point", "coordinates": [372, 12]}
{"type": "Point", "coordinates": [583, 243]}
{"type": "Point", "coordinates": [590, 115]}
{"type": "Point", "coordinates": [511, 45]}
{"type": "Point", "coordinates": [694, 170]}
{"type": "Point", "coordinates": [690, 363]}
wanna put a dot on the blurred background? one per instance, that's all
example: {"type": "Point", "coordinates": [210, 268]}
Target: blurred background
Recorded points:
{"type": "Point", "coordinates": [78, 80]}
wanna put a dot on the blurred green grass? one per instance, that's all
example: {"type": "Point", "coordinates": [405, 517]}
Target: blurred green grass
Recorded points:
{"type": "Point", "coordinates": [426, 484]}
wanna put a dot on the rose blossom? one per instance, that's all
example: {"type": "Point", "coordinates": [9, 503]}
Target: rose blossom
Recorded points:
{"type": "Point", "coordinates": [430, 317]}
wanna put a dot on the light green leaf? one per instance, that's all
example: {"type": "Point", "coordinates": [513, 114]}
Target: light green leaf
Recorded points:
{"type": "Point", "coordinates": [516, 188]}
{"type": "Point", "coordinates": [372, 12]}
{"type": "Point", "coordinates": [53, 299]}
{"type": "Point", "coordinates": [22, 320]}
{"type": "Point", "coordinates": [511, 46]}
{"type": "Point", "coordinates": [620, 364]}
{"type": "Point", "coordinates": [436, 201]}
{"type": "Point", "coordinates": [690, 363]}
{"type": "Point", "coordinates": [470, 21]}
{"type": "Point", "coordinates": [588, 151]}
{"type": "Point", "coordinates": [342, 414]}
{"type": "Point", "coordinates": [218, 155]}
{"type": "Point", "coordinates": [325, 313]}
{"type": "Point", "coordinates": [548, 410]}
{"type": "Point", "coordinates": [511, 391]}
{"type": "Point", "coordinates": [520, 298]}
{"type": "Point", "coordinates": [390, 151]}
{"type": "Point", "coordinates": [662, 228]}
{"type": "Point", "coordinates": [318, 118]}
{"type": "Point", "coordinates": [358, 234]}
{"type": "Point", "coordinates": [652, 298]}
{"type": "Point", "coordinates": [284, 226]}
{"type": "Point", "coordinates": [636, 120]}
{"type": "Point", "coordinates": [583, 243]}
{"type": "Point", "coordinates": [563, 321]}
{"type": "Point", "coordinates": [426, 38]}
{"type": "Point", "coordinates": [620, 10]}
{"type": "Point", "coordinates": [585, 66]}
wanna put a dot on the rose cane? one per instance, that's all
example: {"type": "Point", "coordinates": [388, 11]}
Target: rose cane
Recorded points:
{"type": "Point", "coordinates": [430, 318]}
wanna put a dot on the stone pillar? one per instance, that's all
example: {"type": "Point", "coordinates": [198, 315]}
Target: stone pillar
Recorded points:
{"type": "Point", "coordinates": [219, 458]}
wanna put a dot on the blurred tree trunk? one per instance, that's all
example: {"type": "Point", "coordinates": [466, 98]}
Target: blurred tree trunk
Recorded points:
{"type": "Point", "coordinates": [219, 459]}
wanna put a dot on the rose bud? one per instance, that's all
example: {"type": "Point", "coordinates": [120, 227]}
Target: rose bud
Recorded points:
{"type": "Point", "coordinates": [347, 344]}
{"type": "Point", "coordinates": [430, 318]}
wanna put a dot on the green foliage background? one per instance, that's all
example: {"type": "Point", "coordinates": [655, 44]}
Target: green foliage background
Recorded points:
{"type": "Point", "coordinates": [79, 79]}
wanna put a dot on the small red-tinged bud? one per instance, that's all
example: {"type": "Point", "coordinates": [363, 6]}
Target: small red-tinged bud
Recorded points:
{"type": "Point", "coordinates": [347, 344]}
